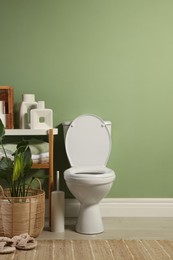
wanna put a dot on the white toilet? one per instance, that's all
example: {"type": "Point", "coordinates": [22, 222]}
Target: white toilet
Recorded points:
{"type": "Point", "coordinates": [88, 146]}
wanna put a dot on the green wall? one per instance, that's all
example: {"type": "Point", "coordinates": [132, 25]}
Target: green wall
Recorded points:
{"type": "Point", "coordinates": [112, 58]}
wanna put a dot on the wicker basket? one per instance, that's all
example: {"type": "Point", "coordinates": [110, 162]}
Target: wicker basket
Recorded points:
{"type": "Point", "coordinates": [22, 214]}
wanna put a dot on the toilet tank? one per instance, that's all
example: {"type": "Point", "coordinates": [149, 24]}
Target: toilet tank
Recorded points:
{"type": "Point", "coordinates": [66, 125]}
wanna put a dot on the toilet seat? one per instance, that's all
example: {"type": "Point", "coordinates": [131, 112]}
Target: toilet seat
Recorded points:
{"type": "Point", "coordinates": [88, 141]}
{"type": "Point", "coordinates": [90, 175]}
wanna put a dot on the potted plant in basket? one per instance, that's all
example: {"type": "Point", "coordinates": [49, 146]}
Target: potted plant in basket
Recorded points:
{"type": "Point", "coordinates": [21, 207]}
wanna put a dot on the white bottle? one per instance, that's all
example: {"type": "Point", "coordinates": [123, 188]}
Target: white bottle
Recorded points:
{"type": "Point", "coordinates": [2, 112]}
{"type": "Point", "coordinates": [41, 117]}
{"type": "Point", "coordinates": [28, 103]}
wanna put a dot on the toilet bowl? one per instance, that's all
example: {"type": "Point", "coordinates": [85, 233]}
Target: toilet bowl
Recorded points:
{"type": "Point", "coordinates": [88, 146]}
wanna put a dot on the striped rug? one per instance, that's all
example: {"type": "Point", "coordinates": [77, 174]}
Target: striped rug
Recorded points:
{"type": "Point", "coordinates": [96, 250]}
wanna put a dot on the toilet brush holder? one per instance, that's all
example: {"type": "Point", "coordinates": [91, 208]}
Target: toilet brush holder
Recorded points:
{"type": "Point", "coordinates": [57, 211]}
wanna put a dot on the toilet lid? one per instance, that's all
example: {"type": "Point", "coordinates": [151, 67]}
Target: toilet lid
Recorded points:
{"type": "Point", "coordinates": [88, 141]}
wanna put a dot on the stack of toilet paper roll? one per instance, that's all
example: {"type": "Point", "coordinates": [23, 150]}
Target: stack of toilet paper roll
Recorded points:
{"type": "Point", "coordinates": [57, 209]}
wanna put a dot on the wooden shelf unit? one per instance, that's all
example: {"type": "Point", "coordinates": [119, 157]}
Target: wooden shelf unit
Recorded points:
{"type": "Point", "coordinates": [7, 95]}
{"type": "Point", "coordinates": [50, 165]}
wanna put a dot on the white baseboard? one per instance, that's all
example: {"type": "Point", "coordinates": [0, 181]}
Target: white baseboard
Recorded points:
{"type": "Point", "coordinates": [128, 207]}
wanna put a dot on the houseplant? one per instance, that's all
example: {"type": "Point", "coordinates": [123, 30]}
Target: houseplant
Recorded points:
{"type": "Point", "coordinates": [21, 207]}
{"type": "Point", "coordinates": [14, 172]}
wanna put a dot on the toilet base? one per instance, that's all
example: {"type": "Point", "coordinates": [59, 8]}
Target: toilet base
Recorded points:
{"type": "Point", "coordinates": [89, 220]}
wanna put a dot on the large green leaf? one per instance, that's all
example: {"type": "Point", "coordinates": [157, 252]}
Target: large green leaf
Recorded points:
{"type": "Point", "coordinates": [27, 159]}
{"type": "Point", "coordinates": [6, 165]}
{"type": "Point", "coordinates": [17, 168]}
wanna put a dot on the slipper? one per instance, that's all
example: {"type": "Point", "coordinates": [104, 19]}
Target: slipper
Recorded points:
{"type": "Point", "coordinates": [6, 245]}
{"type": "Point", "coordinates": [24, 242]}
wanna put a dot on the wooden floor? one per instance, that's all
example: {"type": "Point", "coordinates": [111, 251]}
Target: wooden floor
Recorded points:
{"type": "Point", "coordinates": [118, 228]}
{"type": "Point", "coordinates": [122, 239]}
{"type": "Point", "coordinates": [98, 249]}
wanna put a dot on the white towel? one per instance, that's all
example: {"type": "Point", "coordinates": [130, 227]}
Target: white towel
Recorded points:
{"type": "Point", "coordinates": [39, 150]}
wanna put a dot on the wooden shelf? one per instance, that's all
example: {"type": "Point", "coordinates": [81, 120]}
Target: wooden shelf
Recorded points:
{"type": "Point", "coordinates": [50, 165]}
{"type": "Point", "coordinates": [7, 95]}
{"type": "Point", "coordinates": [40, 166]}
{"type": "Point", "coordinates": [11, 132]}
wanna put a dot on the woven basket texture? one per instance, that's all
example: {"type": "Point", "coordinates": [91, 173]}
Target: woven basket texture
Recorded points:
{"type": "Point", "coordinates": [22, 214]}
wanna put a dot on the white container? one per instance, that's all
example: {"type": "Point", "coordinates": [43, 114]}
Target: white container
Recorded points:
{"type": "Point", "coordinates": [2, 112]}
{"type": "Point", "coordinates": [41, 117]}
{"type": "Point", "coordinates": [57, 211]}
{"type": "Point", "coordinates": [28, 103]}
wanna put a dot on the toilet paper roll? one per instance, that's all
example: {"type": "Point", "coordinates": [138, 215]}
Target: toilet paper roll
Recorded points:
{"type": "Point", "coordinates": [57, 211]}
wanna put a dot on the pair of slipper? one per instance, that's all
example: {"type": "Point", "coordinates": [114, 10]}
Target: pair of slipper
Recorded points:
{"type": "Point", "coordinates": [22, 242]}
